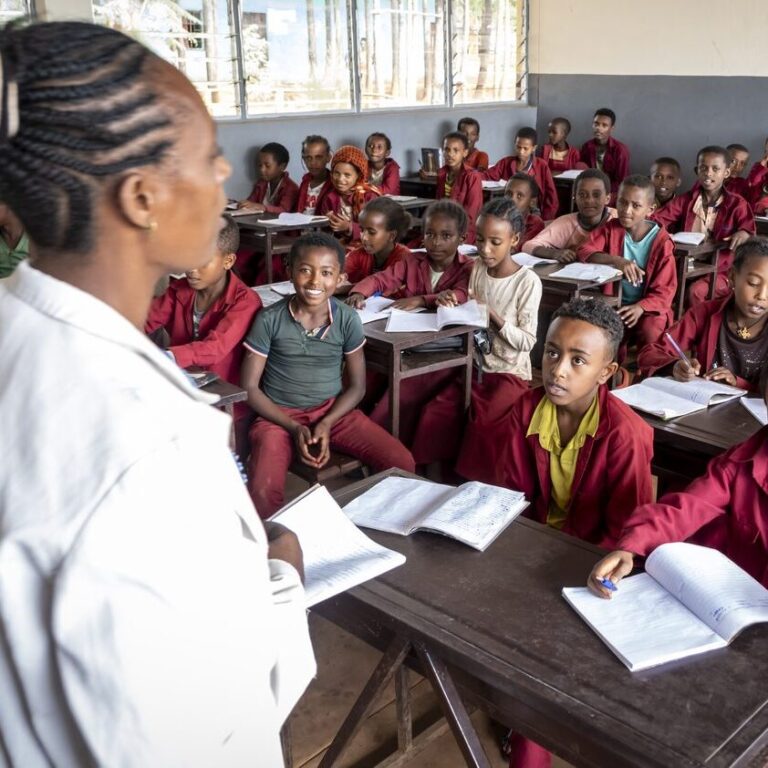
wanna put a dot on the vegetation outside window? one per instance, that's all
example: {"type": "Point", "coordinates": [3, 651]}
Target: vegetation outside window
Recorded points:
{"type": "Point", "coordinates": [14, 9]}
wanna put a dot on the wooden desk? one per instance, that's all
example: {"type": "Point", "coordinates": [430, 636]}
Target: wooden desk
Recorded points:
{"type": "Point", "coordinates": [266, 235]}
{"type": "Point", "coordinates": [565, 197]}
{"type": "Point", "coordinates": [229, 394]}
{"type": "Point", "coordinates": [493, 630]}
{"type": "Point", "coordinates": [704, 258]}
{"type": "Point", "coordinates": [416, 204]}
{"type": "Point", "coordinates": [415, 185]}
{"type": "Point", "coordinates": [761, 225]}
{"type": "Point", "coordinates": [384, 353]}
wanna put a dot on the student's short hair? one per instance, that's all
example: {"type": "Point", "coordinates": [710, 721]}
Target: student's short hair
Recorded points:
{"type": "Point", "coordinates": [228, 240]}
{"type": "Point", "coordinates": [593, 173]}
{"type": "Point", "coordinates": [667, 161]}
{"type": "Point", "coordinates": [396, 217]}
{"type": "Point", "coordinates": [377, 135]}
{"type": "Point", "coordinates": [527, 133]}
{"type": "Point", "coordinates": [504, 208]}
{"type": "Point", "coordinates": [451, 210]}
{"type": "Point", "coordinates": [314, 138]}
{"type": "Point", "coordinates": [457, 136]}
{"type": "Point", "coordinates": [564, 121]}
{"type": "Point", "coordinates": [316, 240]}
{"type": "Point", "coordinates": [605, 112]}
{"type": "Point", "coordinates": [278, 151]}
{"type": "Point", "coordinates": [598, 313]}
{"type": "Point", "coordinates": [529, 180]}
{"type": "Point", "coordinates": [737, 148]}
{"type": "Point", "coordinates": [755, 246]}
{"type": "Point", "coordinates": [714, 149]}
{"type": "Point", "coordinates": [468, 121]}
{"type": "Point", "coordinates": [638, 181]}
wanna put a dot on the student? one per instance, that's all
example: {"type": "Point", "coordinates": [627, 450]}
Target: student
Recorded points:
{"type": "Point", "coordinates": [440, 276]}
{"type": "Point", "coordinates": [735, 182]}
{"type": "Point", "coordinates": [275, 191]}
{"type": "Point", "coordinates": [298, 350]}
{"type": "Point", "coordinates": [383, 222]}
{"type": "Point", "coordinates": [757, 182]}
{"type": "Point", "coordinates": [384, 172]}
{"type": "Point", "coordinates": [711, 209]}
{"type": "Point", "coordinates": [645, 254]}
{"type": "Point", "coordinates": [524, 192]}
{"type": "Point", "coordinates": [605, 152]}
{"type": "Point", "coordinates": [476, 159]}
{"type": "Point", "coordinates": [511, 294]}
{"type": "Point", "coordinates": [557, 153]}
{"type": "Point", "coordinates": [139, 588]}
{"type": "Point", "coordinates": [316, 182]}
{"type": "Point", "coordinates": [731, 492]}
{"type": "Point", "coordinates": [458, 182]}
{"type": "Point", "coordinates": [350, 193]}
{"type": "Point", "coordinates": [208, 312]}
{"type": "Point", "coordinates": [14, 242]}
{"type": "Point", "coordinates": [561, 238]}
{"type": "Point", "coordinates": [666, 177]}
{"type": "Point", "coordinates": [726, 337]}
{"type": "Point", "coordinates": [525, 161]}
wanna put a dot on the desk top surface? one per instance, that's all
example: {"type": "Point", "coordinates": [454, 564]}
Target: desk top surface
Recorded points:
{"type": "Point", "coordinates": [228, 393]}
{"type": "Point", "coordinates": [544, 271]}
{"type": "Point", "coordinates": [499, 616]}
{"type": "Point", "coordinates": [256, 221]}
{"type": "Point", "coordinates": [376, 333]}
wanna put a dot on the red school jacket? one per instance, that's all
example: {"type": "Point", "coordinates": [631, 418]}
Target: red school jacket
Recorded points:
{"type": "Point", "coordinates": [508, 167]}
{"type": "Point", "coordinates": [733, 214]}
{"type": "Point", "coordinates": [332, 202]}
{"type": "Point", "coordinates": [358, 264]}
{"type": "Point", "coordinates": [285, 198]}
{"type": "Point", "coordinates": [303, 198]}
{"type": "Point", "coordinates": [477, 159]}
{"type": "Point", "coordinates": [756, 181]}
{"type": "Point", "coordinates": [467, 191]}
{"type": "Point", "coordinates": [734, 489]}
{"type": "Point", "coordinates": [613, 470]}
{"type": "Point", "coordinates": [615, 162]}
{"type": "Point", "coordinates": [697, 330]}
{"type": "Point", "coordinates": [660, 282]}
{"type": "Point", "coordinates": [571, 160]}
{"type": "Point", "coordinates": [533, 226]}
{"type": "Point", "coordinates": [390, 182]}
{"type": "Point", "coordinates": [411, 277]}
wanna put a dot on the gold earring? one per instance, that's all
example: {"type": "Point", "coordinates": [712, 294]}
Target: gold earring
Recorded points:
{"type": "Point", "coordinates": [151, 226]}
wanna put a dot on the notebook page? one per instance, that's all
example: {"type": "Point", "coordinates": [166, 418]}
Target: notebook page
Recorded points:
{"type": "Point", "coordinates": [597, 273]}
{"type": "Point", "coordinates": [293, 219]}
{"type": "Point", "coordinates": [689, 238]}
{"type": "Point", "coordinates": [571, 173]}
{"type": "Point", "coordinates": [656, 402]}
{"type": "Point", "coordinates": [401, 321]}
{"type": "Point", "coordinates": [337, 556]}
{"type": "Point", "coordinates": [284, 289]}
{"type": "Point", "coordinates": [756, 406]}
{"type": "Point", "coordinates": [476, 513]}
{"type": "Point", "coordinates": [267, 295]}
{"type": "Point", "coordinates": [376, 308]}
{"type": "Point", "coordinates": [698, 390]}
{"type": "Point", "coordinates": [527, 260]}
{"type": "Point", "coordinates": [397, 504]}
{"type": "Point", "coordinates": [469, 313]}
{"type": "Point", "coordinates": [643, 624]}
{"type": "Point", "coordinates": [713, 587]}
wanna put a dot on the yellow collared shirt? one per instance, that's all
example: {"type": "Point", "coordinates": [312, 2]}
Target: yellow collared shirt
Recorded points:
{"type": "Point", "coordinates": [562, 459]}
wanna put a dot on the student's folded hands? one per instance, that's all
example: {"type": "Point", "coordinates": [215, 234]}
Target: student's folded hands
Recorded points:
{"type": "Point", "coordinates": [613, 568]}
{"type": "Point", "coordinates": [339, 222]}
{"type": "Point", "coordinates": [313, 444]}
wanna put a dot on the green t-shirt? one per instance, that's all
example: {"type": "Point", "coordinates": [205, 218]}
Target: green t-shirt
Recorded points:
{"type": "Point", "coordinates": [638, 252]}
{"type": "Point", "coordinates": [303, 368]}
{"type": "Point", "coordinates": [10, 257]}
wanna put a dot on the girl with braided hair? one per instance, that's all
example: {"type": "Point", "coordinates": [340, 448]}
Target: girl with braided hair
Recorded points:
{"type": "Point", "coordinates": [146, 618]}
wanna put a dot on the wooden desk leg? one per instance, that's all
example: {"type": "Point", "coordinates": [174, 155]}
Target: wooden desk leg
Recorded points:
{"type": "Point", "coordinates": [713, 276]}
{"type": "Point", "coordinates": [453, 708]}
{"type": "Point", "coordinates": [268, 255]}
{"type": "Point", "coordinates": [394, 393]}
{"type": "Point", "coordinates": [403, 706]}
{"type": "Point", "coordinates": [393, 658]}
{"type": "Point", "coordinates": [287, 744]}
{"type": "Point", "coordinates": [682, 268]}
{"type": "Point", "coordinates": [468, 371]}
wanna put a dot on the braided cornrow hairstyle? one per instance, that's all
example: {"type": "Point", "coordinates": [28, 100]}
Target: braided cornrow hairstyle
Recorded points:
{"type": "Point", "coordinates": [86, 113]}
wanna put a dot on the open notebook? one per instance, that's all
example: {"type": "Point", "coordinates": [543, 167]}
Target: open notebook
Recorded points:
{"type": "Point", "coordinates": [596, 273]}
{"type": "Point", "coordinates": [757, 407]}
{"type": "Point", "coordinates": [668, 398]}
{"type": "Point", "coordinates": [529, 260]}
{"type": "Point", "coordinates": [293, 220]}
{"type": "Point", "coordinates": [690, 600]}
{"type": "Point", "coordinates": [689, 238]}
{"type": "Point", "coordinates": [337, 556]}
{"type": "Point", "coordinates": [470, 313]}
{"type": "Point", "coordinates": [474, 513]}
{"type": "Point", "coordinates": [376, 308]}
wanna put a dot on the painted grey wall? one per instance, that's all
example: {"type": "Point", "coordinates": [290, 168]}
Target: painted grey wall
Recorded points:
{"type": "Point", "coordinates": [409, 130]}
{"type": "Point", "coordinates": [660, 115]}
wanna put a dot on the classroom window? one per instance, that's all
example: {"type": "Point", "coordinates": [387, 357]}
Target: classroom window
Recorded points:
{"type": "Point", "coordinates": [197, 36]}
{"type": "Point", "coordinates": [15, 9]}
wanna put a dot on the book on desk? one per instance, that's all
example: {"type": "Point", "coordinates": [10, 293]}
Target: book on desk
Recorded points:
{"type": "Point", "coordinates": [690, 600]}
{"type": "Point", "coordinates": [469, 313]}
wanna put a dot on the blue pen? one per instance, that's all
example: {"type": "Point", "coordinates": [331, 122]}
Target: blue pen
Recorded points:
{"type": "Point", "coordinates": [376, 294]}
{"type": "Point", "coordinates": [608, 584]}
{"type": "Point", "coordinates": [679, 351]}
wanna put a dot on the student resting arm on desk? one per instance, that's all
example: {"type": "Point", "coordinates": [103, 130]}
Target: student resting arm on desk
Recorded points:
{"type": "Point", "coordinates": [275, 191]}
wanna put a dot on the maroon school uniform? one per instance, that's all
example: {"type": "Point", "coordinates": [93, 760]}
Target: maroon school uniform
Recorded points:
{"type": "Point", "coordinates": [615, 161]}
{"type": "Point", "coordinates": [467, 191]}
{"type": "Point", "coordinates": [358, 264]}
{"type": "Point", "coordinates": [571, 161]}
{"type": "Point", "coordinates": [533, 225]}
{"type": "Point", "coordinates": [222, 329]}
{"type": "Point", "coordinates": [739, 186]}
{"type": "Point", "coordinates": [477, 159]}
{"type": "Point", "coordinates": [332, 201]}
{"type": "Point", "coordinates": [757, 179]}
{"type": "Point", "coordinates": [507, 167]}
{"type": "Point", "coordinates": [284, 199]}
{"type": "Point", "coordinates": [734, 490]}
{"type": "Point", "coordinates": [304, 201]}
{"type": "Point", "coordinates": [390, 182]}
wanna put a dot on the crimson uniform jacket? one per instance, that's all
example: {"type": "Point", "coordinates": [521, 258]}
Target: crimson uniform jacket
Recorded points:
{"type": "Point", "coordinates": [698, 330]}
{"type": "Point", "coordinates": [411, 277]}
{"type": "Point", "coordinates": [571, 160]}
{"type": "Point", "coordinates": [660, 281]}
{"type": "Point", "coordinates": [733, 214]}
{"type": "Point", "coordinates": [739, 186]}
{"type": "Point", "coordinates": [613, 470]}
{"type": "Point", "coordinates": [222, 328]}
{"type": "Point", "coordinates": [285, 198]}
{"type": "Point", "coordinates": [306, 180]}
{"type": "Point", "coordinates": [390, 182]}
{"type": "Point", "coordinates": [757, 178]}
{"type": "Point", "coordinates": [733, 490]}
{"type": "Point", "coordinates": [332, 202]}
{"type": "Point", "coordinates": [507, 167]}
{"type": "Point", "coordinates": [615, 162]}
{"type": "Point", "coordinates": [477, 159]}
{"type": "Point", "coordinates": [358, 264]}
{"type": "Point", "coordinates": [467, 191]}
{"type": "Point", "coordinates": [532, 226]}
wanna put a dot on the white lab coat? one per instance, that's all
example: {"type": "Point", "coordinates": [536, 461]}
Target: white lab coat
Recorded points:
{"type": "Point", "coordinates": [141, 623]}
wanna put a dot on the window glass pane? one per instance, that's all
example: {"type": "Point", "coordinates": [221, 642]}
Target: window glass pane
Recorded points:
{"type": "Point", "coordinates": [488, 47]}
{"type": "Point", "coordinates": [194, 35]}
{"type": "Point", "coordinates": [13, 9]}
{"type": "Point", "coordinates": [296, 55]}
{"type": "Point", "coordinates": [401, 53]}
